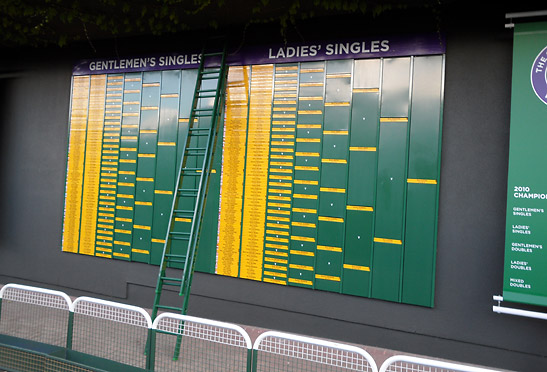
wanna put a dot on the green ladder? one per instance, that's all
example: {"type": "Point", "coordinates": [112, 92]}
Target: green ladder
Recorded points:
{"type": "Point", "coordinates": [179, 251]}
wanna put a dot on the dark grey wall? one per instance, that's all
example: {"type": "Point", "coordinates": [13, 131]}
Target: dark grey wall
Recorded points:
{"type": "Point", "coordinates": [461, 326]}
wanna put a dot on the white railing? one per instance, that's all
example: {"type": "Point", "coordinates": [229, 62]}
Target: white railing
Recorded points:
{"type": "Point", "coordinates": [113, 311]}
{"type": "Point", "coordinates": [195, 344]}
{"type": "Point", "coordinates": [35, 314]}
{"type": "Point", "coordinates": [36, 296]}
{"type": "Point", "coordinates": [403, 363]}
{"type": "Point", "coordinates": [311, 351]}
{"type": "Point", "coordinates": [111, 330]}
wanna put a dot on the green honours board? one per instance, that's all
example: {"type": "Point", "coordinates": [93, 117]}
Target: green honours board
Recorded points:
{"type": "Point", "coordinates": [325, 175]}
{"type": "Point", "coordinates": [525, 274]}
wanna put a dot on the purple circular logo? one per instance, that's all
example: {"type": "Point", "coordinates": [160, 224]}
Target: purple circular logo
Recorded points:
{"type": "Point", "coordinates": [538, 75]}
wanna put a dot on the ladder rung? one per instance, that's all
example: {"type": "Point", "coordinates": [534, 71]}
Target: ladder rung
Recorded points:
{"type": "Point", "coordinates": [171, 279]}
{"type": "Point", "coordinates": [203, 115]}
{"type": "Point", "coordinates": [169, 307]}
{"type": "Point", "coordinates": [210, 78]}
{"type": "Point", "coordinates": [207, 91]}
{"type": "Point", "coordinates": [177, 261]}
{"type": "Point", "coordinates": [212, 54]}
{"type": "Point", "coordinates": [183, 211]}
{"type": "Point", "coordinates": [179, 233]}
{"type": "Point", "coordinates": [195, 128]}
{"type": "Point", "coordinates": [191, 169]}
{"type": "Point", "coordinates": [172, 255]}
{"type": "Point", "coordinates": [179, 237]}
{"type": "Point", "coordinates": [203, 109]}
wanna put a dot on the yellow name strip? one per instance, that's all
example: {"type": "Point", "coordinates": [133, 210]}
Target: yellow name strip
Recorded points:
{"type": "Point", "coordinates": [335, 104]}
{"type": "Point", "coordinates": [301, 267]}
{"type": "Point", "coordinates": [327, 277]}
{"type": "Point", "coordinates": [422, 181]}
{"type": "Point", "coordinates": [330, 219]}
{"type": "Point", "coordinates": [355, 148]}
{"type": "Point", "coordinates": [366, 90]}
{"type": "Point", "coordinates": [140, 251]}
{"type": "Point", "coordinates": [327, 248]}
{"type": "Point", "coordinates": [331, 189]}
{"type": "Point", "coordinates": [302, 253]}
{"type": "Point", "coordinates": [393, 120]}
{"type": "Point", "coordinates": [359, 208]}
{"type": "Point", "coordinates": [389, 241]}
{"type": "Point", "coordinates": [300, 281]}
{"type": "Point", "coordinates": [303, 239]}
{"type": "Point", "coordinates": [355, 267]}
{"type": "Point", "coordinates": [334, 161]}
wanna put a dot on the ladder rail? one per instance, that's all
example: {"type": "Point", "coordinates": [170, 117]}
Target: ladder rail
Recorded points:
{"type": "Point", "coordinates": [167, 246]}
{"type": "Point", "coordinates": [200, 190]}
{"type": "Point", "coordinates": [198, 211]}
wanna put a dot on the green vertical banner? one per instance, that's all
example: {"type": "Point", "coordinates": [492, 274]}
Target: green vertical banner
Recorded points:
{"type": "Point", "coordinates": [525, 270]}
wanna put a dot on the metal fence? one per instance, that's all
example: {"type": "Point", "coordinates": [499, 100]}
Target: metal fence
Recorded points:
{"type": "Point", "coordinates": [186, 343]}
{"type": "Point", "coordinates": [44, 331]}
{"type": "Point", "coordinates": [403, 363]}
{"type": "Point", "coordinates": [111, 330]}
{"type": "Point", "coordinates": [35, 314]}
{"type": "Point", "coordinates": [276, 351]}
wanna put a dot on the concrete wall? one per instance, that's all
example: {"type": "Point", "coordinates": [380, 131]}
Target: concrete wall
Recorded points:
{"type": "Point", "coordinates": [461, 326]}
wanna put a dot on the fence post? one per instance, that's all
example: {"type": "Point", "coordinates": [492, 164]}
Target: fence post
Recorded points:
{"type": "Point", "coordinates": [70, 330]}
{"type": "Point", "coordinates": [151, 350]}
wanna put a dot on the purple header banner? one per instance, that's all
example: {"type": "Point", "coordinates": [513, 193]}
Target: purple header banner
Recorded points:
{"type": "Point", "coordinates": [395, 46]}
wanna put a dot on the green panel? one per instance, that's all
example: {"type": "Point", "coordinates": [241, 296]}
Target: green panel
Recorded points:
{"type": "Point", "coordinates": [334, 175]}
{"type": "Point", "coordinates": [310, 105]}
{"type": "Point", "coordinates": [337, 118]}
{"type": "Point", "coordinates": [144, 191]}
{"type": "Point", "coordinates": [419, 253]}
{"type": "Point", "coordinates": [306, 189]}
{"type": "Point", "coordinates": [423, 156]}
{"type": "Point", "coordinates": [328, 270]}
{"type": "Point", "coordinates": [357, 253]}
{"type": "Point", "coordinates": [330, 233]}
{"type": "Point", "coordinates": [332, 204]}
{"type": "Point", "coordinates": [156, 252]}
{"type": "Point", "coordinates": [313, 91]}
{"type": "Point", "coordinates": [304, 231]}
{"type": "Point", "coordinates": [386, 271]}
{"type": "Point", "coordinates": [359, 236]}
{"type": "Point", "coordinates": [361, 178]}
{"type": "Point", "coordinates": [168, 126]}
{"type": "Point", "coordinates": [356, 282]}
{"type": "Point", "coordinates": [366, 74]}
{"type": "Point", "coordinates": [146, 167]}
{"type": "Point", "coordinates": [308, 161]}
{"type": "Point", "coordinates": [165, 172]}
{"type": "Point", "coordinates": [308, 132]}
{"type": "Point", "coordinates": [339, 66]}
{"type": "Point", "coordinates": [303, 146]}
{"type": "Point", "coordinates": [162, 211]}
{"type": "Point", "coordinates": [305, 217]}
{"type": "Point", "coordinates": [147, 143]}
{"type": "Point", "coordinates": [170, 82]}
{"type": "Point", "coordinates": [395, 87]}
{"type": "Point", "coordinates": [306, 203]}
{"type": "Point", "coordinates": [150, 97]}
{"type": "Point", "coordinates": [151, 77]}
{"type": "Point", "coordinates": [335, 146]}
{"type": "Point", "coordinates": [391, 181]}
{"type": "Point", "coordinates": [188, 82]}
{"type": "Point", "coordinates": [338, 89]}
{"type": "Point", "coordinates": [206, 256]}
{"type": "Point", "coordinates": [364, 120]}
{"type": "Point", "coordinates": [305, 174]}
